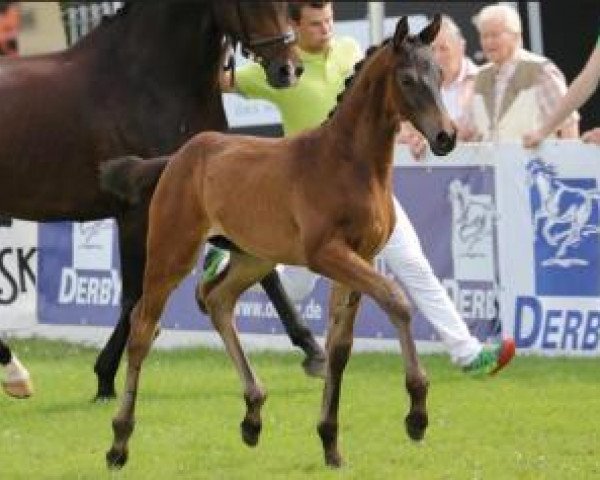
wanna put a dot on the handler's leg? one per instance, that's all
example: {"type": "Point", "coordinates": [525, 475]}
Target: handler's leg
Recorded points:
{"type": "Point", "coordinates": [404, 256]}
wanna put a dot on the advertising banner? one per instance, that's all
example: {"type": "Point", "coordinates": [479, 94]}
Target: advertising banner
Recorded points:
{"type": "Point", "coordinates": [18, 273]}
{"type": "Point", "coordinates": [550, 247]}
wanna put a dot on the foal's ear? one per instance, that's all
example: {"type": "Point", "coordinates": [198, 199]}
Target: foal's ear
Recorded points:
{"type": "Point", "coordinates": [429, 33]}
{"type": "Point", "coordinates": [401, 32]}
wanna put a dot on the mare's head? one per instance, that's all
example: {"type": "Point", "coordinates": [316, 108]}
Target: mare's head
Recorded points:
{"type": "Point", "coordinates": [263, 30]}
{"type": "Point", "coordinates": [414, 87]}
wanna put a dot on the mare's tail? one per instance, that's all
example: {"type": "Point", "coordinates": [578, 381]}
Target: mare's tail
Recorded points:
{"type": "Point", "coordinates": [131, 179]}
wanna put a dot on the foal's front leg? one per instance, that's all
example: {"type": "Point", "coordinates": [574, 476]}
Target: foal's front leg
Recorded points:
{"type": "Point", "coordinates": [343, 306]}
{"type": "Point", "coordinates": [343, 265]}
{"type": "Point", "coordinates": [244, 271]}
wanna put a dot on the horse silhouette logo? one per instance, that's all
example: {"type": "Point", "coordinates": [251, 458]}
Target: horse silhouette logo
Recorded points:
{"type": "Point", "coordinates": [565, 220]}
{"type": "Point", "coordinates": [93, 245]}
{"type": "Point", "coordinates": [473, 226]}
{"type": "Point", "coordinates": [90, 231]}
{"type": "Point", "coordinates": [563, 214]}
{"type": "Point", "coordinates": [473, 215]}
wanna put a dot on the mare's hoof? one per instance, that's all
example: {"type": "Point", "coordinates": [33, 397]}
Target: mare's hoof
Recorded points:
{"type": "Point", "coordinates": [106, 391]}
{"type": "Point", "coordinates": [315, 366]}
{"type": "Point", "coordinates": [416, 424]}
{"type": "Point", "coordinates": [18, 388]}
{"type": "Point", "coordinates": [250, 432]}
{"type": "Point", "coordinates": [334, 460]}
{"type": "Point", "coordinates": [116, 459]}
{"type": "Point", "coordinates": [104, 398]}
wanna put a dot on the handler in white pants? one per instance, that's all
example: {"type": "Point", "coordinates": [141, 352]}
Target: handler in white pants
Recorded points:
{"type": "Point", "coordinates": [404, 256]}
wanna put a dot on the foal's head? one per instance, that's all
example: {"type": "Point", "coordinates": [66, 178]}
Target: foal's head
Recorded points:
{"type": "Point", "coordinates": [414, 87]}
{"type": "Point", "coordinates": [263, 30]}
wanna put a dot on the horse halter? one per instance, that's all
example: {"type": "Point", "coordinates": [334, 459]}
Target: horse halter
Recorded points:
{"type": "Point", "coordinates": [248, 45]}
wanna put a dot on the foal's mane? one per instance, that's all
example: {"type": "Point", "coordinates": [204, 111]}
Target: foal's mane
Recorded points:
{"type": "Point", "coordinates": [350, 80]}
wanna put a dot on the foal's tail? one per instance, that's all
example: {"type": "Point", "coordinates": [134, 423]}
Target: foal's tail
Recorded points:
{"type": "Point", "coordinates": [131, 179]}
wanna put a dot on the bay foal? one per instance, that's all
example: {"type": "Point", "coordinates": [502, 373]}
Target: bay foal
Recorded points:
{"type": "Point", "coordinates": [321, 199]}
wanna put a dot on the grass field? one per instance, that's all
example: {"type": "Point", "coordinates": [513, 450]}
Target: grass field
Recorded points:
{"type": "Point", "coordinates": [539, 419]}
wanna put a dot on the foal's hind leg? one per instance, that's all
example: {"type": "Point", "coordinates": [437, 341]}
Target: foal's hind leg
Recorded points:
{"type": "Point", "coordinates": [220, 302]}
{"type": "Point", "coordinates": [132, 247]}
{"type": "Point", "coordinates": [339, 263]}
{"type": "Point", "coordinates": [173, 242]}
{"type": "Point", "coordinates": [343, 306]}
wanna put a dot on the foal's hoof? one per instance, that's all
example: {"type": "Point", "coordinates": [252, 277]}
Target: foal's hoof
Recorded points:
{"type": "Point", "coordinates": [250, 432]}
{"type": "Point", "coordinates": [116, 459]}
{"type": "Point", "coordinates": [315, 366]}
{"type": "Point", "coordinates": [104, 398]}
{"type": "Point", "coordinates": [416, 424]}
{"type": "Point", "coordinates": [18, 388]}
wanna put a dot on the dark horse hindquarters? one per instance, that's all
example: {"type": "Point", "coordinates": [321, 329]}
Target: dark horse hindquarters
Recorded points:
{"type": "Point", "coordinates": [142, 83]}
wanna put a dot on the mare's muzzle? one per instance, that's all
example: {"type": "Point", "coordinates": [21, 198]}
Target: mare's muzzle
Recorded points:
{"type": "Point", "coordinates": [283, 73]}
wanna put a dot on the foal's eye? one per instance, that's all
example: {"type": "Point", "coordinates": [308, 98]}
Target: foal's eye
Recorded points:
{"type": "Point", "coordinates": [407, 81]}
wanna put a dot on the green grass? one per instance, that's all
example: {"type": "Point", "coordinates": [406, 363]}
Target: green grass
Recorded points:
{"type": "Point", "coordinates": [539, 419]}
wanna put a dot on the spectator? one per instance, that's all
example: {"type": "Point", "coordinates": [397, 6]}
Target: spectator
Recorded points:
{"type": "Point", "coordinates": [328, 60]}
{"type": "Point", "coordinates": [517, 90]}
{"type": "Point", "coordinates": [592, 136]}
{"type": "Point", "coordinates": [10, 25]}
{"type": "Point", "coordinates": [458, 76]}
{"type": "Point", "coordinates": [578, 93]}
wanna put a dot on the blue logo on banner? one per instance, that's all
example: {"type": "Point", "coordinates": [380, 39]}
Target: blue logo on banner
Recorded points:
{"type": "Point", "coordinates": [565, 220]}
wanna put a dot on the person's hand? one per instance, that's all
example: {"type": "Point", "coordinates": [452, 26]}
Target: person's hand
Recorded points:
{"type": "Point", "coordinates": [533, 138]}
{"type": "Point", "coordinates": [467, 134]}
{"type": "Point", "coordinates": [417, 145]}
{"type": "Point", "coordinates": [592, 136]}
{"type": "Point", "coordinates": [415, 141]}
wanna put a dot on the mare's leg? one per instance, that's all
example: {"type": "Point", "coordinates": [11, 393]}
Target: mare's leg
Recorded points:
{"type": "Point", "coordinates": [17, 382]}
{"type": "Point", "coordinates": [175, 234]}
{"type": "Point", "coordinates": [300, 335]}
{"type": "Point", "coordinates": [341, 264]}
{"type": "Point", "coordinates": [132, 237]}
{"type": "Point", "coordinates": [343, 306]}
{"type": "Point", "coordinates": [244, 271]}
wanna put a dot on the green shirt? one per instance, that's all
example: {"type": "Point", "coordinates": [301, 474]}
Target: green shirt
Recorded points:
{"type": "Point", "coordinates": [306, 104]}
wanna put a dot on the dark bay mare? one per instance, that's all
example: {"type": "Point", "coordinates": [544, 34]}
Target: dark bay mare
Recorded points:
{"type": "Point", "coordinates": [142, 83]}
{"type": "Point", "coordinates": [333, 190]}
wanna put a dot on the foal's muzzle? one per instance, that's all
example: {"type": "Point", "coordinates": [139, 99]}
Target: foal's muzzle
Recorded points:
{"type": "Point", "coordinates": [443, 143]}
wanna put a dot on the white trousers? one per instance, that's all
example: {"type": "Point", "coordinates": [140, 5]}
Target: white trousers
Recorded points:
{"type": "Point", "coordinates": [404, 256]}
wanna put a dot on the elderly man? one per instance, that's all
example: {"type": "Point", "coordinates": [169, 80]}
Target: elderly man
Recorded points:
{"type": "Point", "coordinates": [517, 90]}
{"type": "Point", "coordinates": [458, 76]}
